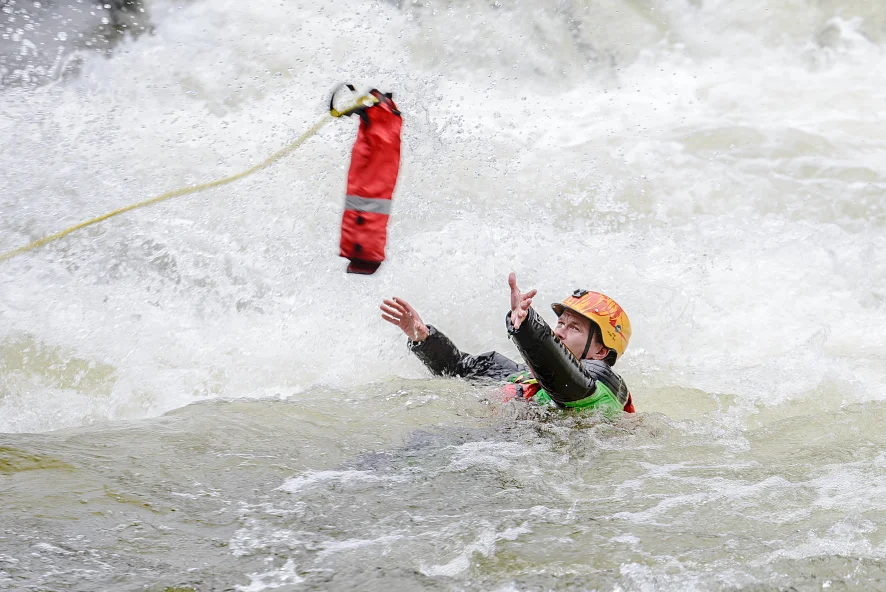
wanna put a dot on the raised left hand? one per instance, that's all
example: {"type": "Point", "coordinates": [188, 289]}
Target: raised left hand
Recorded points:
{"type": "Point", "coordinates": [520, 302]}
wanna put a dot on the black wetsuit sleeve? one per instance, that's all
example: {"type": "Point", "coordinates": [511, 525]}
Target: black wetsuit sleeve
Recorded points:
{"type": "Point", "coordinates": [558, 372]}
{"type": "Point", "coordinates": [440, 355]}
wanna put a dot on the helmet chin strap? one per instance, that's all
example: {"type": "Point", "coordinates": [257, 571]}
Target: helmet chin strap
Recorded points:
{"type": "Point", "coordinates": [588, 344]}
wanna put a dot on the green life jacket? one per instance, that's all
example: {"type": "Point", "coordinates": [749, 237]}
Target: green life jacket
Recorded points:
{"type": "Point", "coordinates": [524, 385]}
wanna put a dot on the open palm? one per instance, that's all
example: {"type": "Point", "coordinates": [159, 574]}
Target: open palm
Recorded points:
{"type": "Point", "coordinates": [399, 312]}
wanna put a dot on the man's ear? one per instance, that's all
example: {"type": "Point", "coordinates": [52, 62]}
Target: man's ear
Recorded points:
{"type": "Point", "coordinates": [602, 352]}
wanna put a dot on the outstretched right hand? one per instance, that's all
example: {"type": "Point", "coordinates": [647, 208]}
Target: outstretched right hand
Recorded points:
{"type": "Point", "coordinates": [398, 312]}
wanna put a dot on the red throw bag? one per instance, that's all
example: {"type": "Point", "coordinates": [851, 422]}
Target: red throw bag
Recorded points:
{"type": "Point", "coordinates": [375, 163]}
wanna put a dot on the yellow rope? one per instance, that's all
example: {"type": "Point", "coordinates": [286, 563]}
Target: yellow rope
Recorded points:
{"type": "Point", "coordinates": [186, 190]}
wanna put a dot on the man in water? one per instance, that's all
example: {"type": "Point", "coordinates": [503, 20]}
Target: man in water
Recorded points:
{"type": "Point", "coordinates": [567, 367]}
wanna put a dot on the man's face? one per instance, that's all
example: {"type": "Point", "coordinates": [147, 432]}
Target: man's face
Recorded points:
{"type": "Point", "coordinates": [573, 329]}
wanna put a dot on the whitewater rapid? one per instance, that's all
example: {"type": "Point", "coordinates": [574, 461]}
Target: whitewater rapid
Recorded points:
{"type": "Point", "coordinates": [717, 167]}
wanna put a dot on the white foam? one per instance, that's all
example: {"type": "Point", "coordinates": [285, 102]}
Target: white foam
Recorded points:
{"type": "Point", "coordinates": [313, 478]}
{"type": "Point", "coordinates": [484, 544]}
{"type": "Point", "coordinates": [275, 578]}
{"type": "Point", "coordinates": [721, 180]}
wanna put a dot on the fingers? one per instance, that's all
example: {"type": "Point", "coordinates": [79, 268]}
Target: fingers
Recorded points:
{"type": "Point", "coordinates": [405, 306]}
{"type": "Point", "coordinates": [400, 305]}
{"type": "Point", "coordinates": [394, 302]}
{"type": "Point", "coordinates": [388, 314]}
{"type": "Point", "coordinates": [515, 291]}
{"type": "Point", "coordinates": [410, 312]}
{"type": "Point", "coordinates": [528, 295]}
{"type": "Point", "coordinates": [391, 320]}
{"type": "Point", "coordinates": [395, 307]}
{"type": "Point", "coordinates": [526, 300]}
{"type": "Point", "coordinates": [398, 312]}
{"type": "Point", "coordinates": [392, 309]}
{"type": "Point", "coordinates": [517, 317]}
{"type": "Point", "coordinates": [393, 313]}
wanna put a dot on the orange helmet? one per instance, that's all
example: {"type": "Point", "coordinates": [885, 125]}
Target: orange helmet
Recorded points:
{"type": "Point", "coordinates": [615, 328]}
